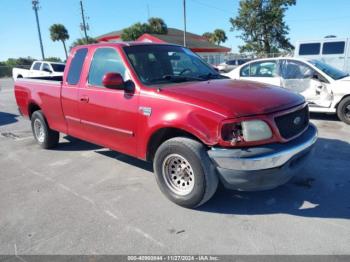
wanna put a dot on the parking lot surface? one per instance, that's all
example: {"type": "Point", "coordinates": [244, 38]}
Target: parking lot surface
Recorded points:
{"type": "Point", "coordinates": [83, 199]}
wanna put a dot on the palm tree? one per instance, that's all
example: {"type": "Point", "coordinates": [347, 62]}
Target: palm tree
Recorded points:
{"type": "Point", "coordinates": [219, 36]}
{"type": "Point", "coordinates": [82, 41]}
{"type": "Point", "coordinates": [208, 36]}
{"type": "Point", "coordinates": [59, 33]}
{"type": "Point", "coordinates": [157, 26]}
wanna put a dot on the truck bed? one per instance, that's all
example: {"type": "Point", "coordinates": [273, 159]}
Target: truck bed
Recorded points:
{"type": "Point", "coordinates": [47, 95]}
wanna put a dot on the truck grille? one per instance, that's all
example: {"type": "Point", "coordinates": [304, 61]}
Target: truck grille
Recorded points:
{"type": "Point", "coordinates": [294, 123]}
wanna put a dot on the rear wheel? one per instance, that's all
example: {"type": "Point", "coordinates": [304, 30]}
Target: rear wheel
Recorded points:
{"type": "Point", "coordinates": [45, 137]}
{"type": "Point", "coordinates": [343, 110]}
{"type": "Point", "coordinates": [184, 172]}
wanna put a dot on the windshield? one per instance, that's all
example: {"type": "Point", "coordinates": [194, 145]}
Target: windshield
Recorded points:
{"type": "Point", "coordinates": [58, 67]}
{"type": "Point", "coordinates": [331, 71]}
{"type": "Point", "coordinates": [159, 64]}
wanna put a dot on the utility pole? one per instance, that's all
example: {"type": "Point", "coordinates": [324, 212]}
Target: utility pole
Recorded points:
{"type": "Point", "coordinates": [84, 26]}
{"type": "Point", "coordinates": [184, 6]}
{"type": "Point", "coordinates": [35, 4]}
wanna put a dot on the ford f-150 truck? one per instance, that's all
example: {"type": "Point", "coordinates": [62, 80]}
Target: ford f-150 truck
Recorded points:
{"type": "Point", "coordinates": [162, 103]}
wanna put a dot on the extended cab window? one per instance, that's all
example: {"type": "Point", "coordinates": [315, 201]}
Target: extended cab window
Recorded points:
{"type": "Point", "coordinates": [105, 60]}
{"type": "Point", "coordinates": [76, 66]}
{"type": "Point", "coordinates": [37, 66]}
{"type": "Point", "coordinates": [58, 67]}
{"type": "Point", "coordinates": [310, 49]}
{"type": "Point", "coordinates": [333, 48]}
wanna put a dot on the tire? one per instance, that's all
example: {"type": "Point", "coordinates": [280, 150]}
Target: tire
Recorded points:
{"type": "Point", "coordinates": [185, 160]}
{"type": "Point", "coordinates": [343, 110]}
{"type": "Point", "coordinates": [45, 137]}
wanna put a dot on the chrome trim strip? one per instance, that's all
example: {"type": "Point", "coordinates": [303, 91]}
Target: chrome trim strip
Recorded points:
{"type": "Point", "coordinates": [118, 130]}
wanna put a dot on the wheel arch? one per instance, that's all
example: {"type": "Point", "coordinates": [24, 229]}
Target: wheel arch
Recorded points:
{"type": "Point", "coordinates": [161, 135]}
{"type": "Point", "coordinates": [32, 107]}
{"type": "Point", "coordinates": [344, 97]}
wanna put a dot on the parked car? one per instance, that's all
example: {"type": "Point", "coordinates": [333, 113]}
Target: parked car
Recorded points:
{"type": "Point", "coordinates": [229, 65]}
{"type": "Point", "coordinates": [333, 51]}
{"type": "Point", "coordinates": [326, 88]}
{"type": "Point", "coordinates": [162, 103]}
{"type": "Point", "coordinates": [39, 69]}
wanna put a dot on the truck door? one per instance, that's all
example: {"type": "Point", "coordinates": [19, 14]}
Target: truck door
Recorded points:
{"type": "Point", "coordinates": [35, 70]}
{"type": "Point", "coordinates": [46, 70]}
{"type": "Point", "coordinates": [300, 78]}
{"type": "Point", "coordinates": [333, 53]}
{"type": "Point", "coordinates": [69, 93]}
{"type": "Point", "coordinates": [109, 116]}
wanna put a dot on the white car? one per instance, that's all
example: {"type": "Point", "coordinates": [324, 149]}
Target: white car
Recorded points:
{"type": "Point", "coordinates": [39, 69]}
{"type": "Point", "coordinates": [229, 65]}
{"type": "Point", "coordinates": [326, 88]}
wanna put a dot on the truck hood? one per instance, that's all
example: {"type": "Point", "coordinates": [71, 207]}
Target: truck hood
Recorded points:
{"type": "Point", "coordinates": [234, 98]}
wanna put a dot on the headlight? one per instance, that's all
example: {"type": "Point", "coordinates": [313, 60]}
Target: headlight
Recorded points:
{"type": "Point", "coordinates": [248, 131]}
{"type": "Point", "coordinates": [255, 130]}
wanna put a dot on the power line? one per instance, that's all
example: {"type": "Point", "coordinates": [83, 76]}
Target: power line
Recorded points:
{"type": "Point", "coordinates": [211, 6]}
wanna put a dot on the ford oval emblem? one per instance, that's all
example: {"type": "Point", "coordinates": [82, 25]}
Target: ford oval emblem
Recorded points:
{"type": "Point", "coordinates": [297, 120]}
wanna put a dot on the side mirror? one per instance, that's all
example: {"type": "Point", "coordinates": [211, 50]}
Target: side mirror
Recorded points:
{"type": "Point", "coordinates": [47, 70]}
{"type": "Point", "coordinates": [113, 81]}
{"type": "Point", "coordinates": [315, 76]}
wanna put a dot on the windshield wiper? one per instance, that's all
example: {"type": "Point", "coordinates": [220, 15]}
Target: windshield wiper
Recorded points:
{"type": "Point", "coordinates": [210, 76]}
{"type": "Point", "coordinates": [175, 78]}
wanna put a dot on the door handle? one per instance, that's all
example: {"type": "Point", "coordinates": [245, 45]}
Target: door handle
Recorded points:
{"type": "Point", "coordinates": [84, 99]}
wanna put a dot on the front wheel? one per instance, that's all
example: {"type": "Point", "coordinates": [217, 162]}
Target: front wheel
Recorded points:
{"type": "Point", "coordinates": [343, 110]}
{"type": "Point", "coordinates": [184, 172]}
{"type": "Point", "coordinates": [45, 137]}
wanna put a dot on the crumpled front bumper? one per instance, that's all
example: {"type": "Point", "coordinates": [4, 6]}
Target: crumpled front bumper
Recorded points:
{"type": "Point", "coordinates": [263, 167]}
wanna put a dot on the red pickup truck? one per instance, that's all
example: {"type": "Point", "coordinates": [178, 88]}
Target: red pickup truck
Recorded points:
{"type": "Point", "coordinates": [162, 103]}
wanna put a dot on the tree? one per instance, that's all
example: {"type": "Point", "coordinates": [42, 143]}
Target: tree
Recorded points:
{"type": "Point", "coordinates": [53, 59]}
{"type": "Point", "coordinates": [59, 33]}
{"type": "Point", "coordinates": [157, 26]}
{"type": "Point", "coordinates": [82, 41]}
{"type": "Point", "coordinates": [135, 31]}
{"type": "Point", "coordinates": [262, 25]}
{"type": "Point", "coordinates": [219, 36]}
{"type": "Point", "coordinates": [208, 36]}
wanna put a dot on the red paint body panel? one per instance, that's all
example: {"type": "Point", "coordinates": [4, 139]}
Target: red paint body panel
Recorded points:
{"type": "Point", "coordinates": [114, 118]}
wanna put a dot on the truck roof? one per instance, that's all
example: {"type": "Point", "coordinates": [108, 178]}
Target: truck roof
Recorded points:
{"type": "Point", "coordinates": [122, 44]}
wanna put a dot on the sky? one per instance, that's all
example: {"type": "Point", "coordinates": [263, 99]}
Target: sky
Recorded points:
{"type": "Point", "coordinates": [309, 19]}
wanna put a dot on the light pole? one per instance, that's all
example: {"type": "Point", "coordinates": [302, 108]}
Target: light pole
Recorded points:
{"type": "Point", "coordinates": [35, 4]}
{"type": "Point", "coordinates": [184, 7]}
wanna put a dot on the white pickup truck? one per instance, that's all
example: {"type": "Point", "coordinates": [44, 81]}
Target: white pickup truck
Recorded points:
{"type": "Point", "coordinates": [39, 69]}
